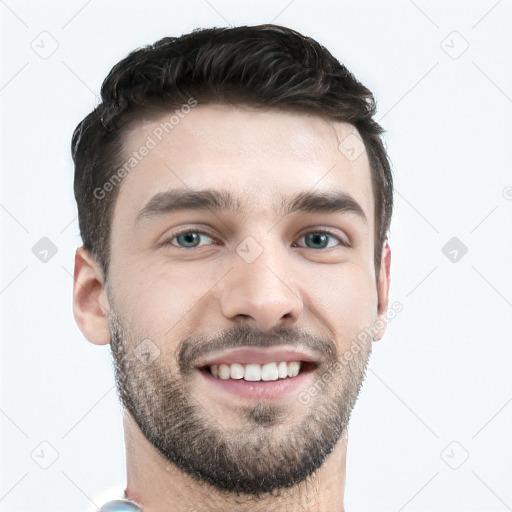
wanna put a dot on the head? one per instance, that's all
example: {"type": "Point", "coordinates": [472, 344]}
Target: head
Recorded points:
{"type": "Point", "coordinates": [208, 162]}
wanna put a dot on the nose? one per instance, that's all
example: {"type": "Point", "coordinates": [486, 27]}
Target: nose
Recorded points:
{"type": "Point", "coordinates": [262, 290]}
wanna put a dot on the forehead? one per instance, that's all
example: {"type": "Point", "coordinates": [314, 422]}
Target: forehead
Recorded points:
{"type": "Point", "coordinates": [260, 156]}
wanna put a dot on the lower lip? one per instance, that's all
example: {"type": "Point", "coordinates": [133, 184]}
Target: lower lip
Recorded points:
{"type": "Point", "coordinates": [258, 390]}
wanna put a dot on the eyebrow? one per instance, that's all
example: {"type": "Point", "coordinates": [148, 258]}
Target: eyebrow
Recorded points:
{"type": "Point", "coordinates": [224, 201]}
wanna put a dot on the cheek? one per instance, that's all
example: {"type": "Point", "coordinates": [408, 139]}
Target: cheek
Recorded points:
{"type": "Point", "coordinates": [158, 297]}
{"type": "Point", "coordinates": [347, 299]}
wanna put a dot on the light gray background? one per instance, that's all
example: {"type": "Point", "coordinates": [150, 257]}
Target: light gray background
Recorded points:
{"type": "Point", "coordinates": [439, 388]}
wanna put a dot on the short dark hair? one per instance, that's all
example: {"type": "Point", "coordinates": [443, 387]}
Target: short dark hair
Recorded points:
{"type": "Point", "coordinates": [265, 66]}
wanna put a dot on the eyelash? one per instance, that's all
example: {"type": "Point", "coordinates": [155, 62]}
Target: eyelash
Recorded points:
{"type": "Point", "coordinates": [168, 242]}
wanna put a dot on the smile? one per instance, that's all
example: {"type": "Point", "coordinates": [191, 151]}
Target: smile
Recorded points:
{"type": "Point", "coordinates": [258, 372]}
{"type": "Point", "coordinates": [254, 372]}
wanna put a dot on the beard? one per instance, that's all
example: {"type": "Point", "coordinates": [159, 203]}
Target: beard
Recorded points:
{"type": "Point", "coordinates": [269, 448]}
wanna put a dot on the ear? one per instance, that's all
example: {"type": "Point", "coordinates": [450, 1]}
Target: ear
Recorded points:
{"type": "Point", "coordinates": [383, 290]}
{"type": "Point", "coordinates": [90, 301]}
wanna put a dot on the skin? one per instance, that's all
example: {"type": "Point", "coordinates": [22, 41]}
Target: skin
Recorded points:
{"type": "Point", "coordinates": [170, 294]}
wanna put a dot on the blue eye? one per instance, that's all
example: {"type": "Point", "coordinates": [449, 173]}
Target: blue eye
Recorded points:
{"type": "Point", "coordinates": [191, 239]}
{"type": "Point", "coordinates": [321, 237]}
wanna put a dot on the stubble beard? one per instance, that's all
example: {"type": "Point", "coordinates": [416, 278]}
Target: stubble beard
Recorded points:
{"type": "Point", "coordinates": [258, 456]}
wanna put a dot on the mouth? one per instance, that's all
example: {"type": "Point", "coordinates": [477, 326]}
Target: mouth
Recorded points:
{"type": "Point", "coordinates": [258, 374]}
{"type": "Point", "coordinates": [254, 372]}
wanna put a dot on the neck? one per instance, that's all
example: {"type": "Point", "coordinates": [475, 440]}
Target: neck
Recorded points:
{"type": "Point", "coordinates": [159, 486]}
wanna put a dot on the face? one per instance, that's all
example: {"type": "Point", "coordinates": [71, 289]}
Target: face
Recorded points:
{"type": "Point", "coordinates": [241, 278]}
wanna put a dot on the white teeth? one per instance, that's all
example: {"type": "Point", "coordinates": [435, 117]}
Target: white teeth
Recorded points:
{"type": "Point", "coordinates": [282, 370]}
{"type": "Point", "coordinates": [256, 372]}
{"type": "Point", "coordinates": [293, 369]}
{"type": "Point", "coordinates": [224, 372]}
{"type": "Point", "coordinates": [269, 371]}
{"type": "Point", "coordinates": [252, 372]}
{"type": "Point", "coordinates": [236, 371]}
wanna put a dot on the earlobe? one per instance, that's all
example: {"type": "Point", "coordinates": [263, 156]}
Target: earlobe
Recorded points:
{"type": "Point", "coordinates": [90, 301]}
{"type": "Point", "coordinates": [383, 290]}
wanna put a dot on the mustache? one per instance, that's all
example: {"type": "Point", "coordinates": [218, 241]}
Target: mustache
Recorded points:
{"type": "Point", "coordinates": [195, 346]}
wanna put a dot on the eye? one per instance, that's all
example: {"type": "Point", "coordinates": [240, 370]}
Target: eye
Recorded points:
{"type": "Point", "coordinates": [189, 238]}
{"type": "Point", "coordinates": [316, 238]}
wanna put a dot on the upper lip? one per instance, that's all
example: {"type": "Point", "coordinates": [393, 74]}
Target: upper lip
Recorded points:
{"type": "Point", "coordinates": [255, 355]}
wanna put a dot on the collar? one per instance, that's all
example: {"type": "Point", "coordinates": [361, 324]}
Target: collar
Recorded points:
{"type": "Point", "coordinates": [121, 505]}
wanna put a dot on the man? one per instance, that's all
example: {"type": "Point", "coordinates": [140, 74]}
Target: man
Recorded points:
{"type": "Point", "coordinates": [234, 199]}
